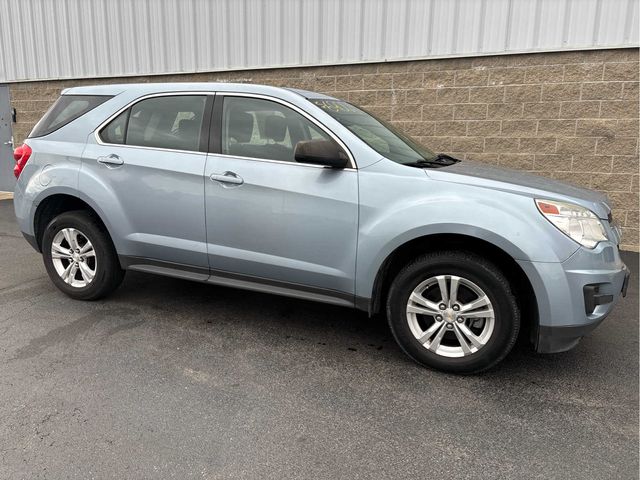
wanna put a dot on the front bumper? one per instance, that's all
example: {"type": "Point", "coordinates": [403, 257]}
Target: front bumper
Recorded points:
{"type": "Point", "coordinates": [562, 338]}
{"type": "Point", "coordinates": [575, 296]}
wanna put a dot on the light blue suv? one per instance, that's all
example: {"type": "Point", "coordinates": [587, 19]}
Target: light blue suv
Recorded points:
{"type": "Point", "coordinates": [300, 194]}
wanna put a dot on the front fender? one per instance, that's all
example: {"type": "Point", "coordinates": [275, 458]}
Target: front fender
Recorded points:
{"type": "Point", "coordinates": [419, 207]}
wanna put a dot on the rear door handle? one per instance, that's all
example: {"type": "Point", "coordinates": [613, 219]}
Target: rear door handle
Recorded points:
{"type": "Point", "coordinates": [112, 160]}
{"type": "Point", "coordinates": [227, 177]}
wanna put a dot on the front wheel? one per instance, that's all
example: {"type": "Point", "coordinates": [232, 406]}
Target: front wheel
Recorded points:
{"type": "Point", "coordinates": [453, 311]}
{"type": "Point", "coordinates": [79, 256]}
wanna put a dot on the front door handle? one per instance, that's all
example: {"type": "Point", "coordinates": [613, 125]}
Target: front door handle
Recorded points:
{"type": "Point", "coordinates": [112, 160]}
{"type": "Point", "coordinates": [227, 177]}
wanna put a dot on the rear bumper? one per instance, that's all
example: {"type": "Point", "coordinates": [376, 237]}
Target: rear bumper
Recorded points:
{"type": "Point", "coordinates": [575, 296]}
{"type": "Point", "coordinates": [24, 210]}
{"type": "Point", "coordinates": [32, 241]}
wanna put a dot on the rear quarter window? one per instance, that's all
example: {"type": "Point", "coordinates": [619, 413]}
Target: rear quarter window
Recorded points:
{"type": "Point", "coordinates": [65, 110]}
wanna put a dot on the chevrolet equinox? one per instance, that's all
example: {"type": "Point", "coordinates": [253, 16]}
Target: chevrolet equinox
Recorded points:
{"type": "Point", "coordinates": [300, 194]}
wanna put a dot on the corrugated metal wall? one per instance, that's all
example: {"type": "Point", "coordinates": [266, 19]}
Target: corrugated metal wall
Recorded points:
{"type": "Point", "coordinates": [51, 39]}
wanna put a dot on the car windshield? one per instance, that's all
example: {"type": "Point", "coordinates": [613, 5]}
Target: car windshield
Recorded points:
{"type": "Point", "coordinates": [378, 134]}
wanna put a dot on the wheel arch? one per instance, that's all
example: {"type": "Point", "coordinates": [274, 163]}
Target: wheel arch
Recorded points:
{"type": "Point", "coordinates": [407, 251]}
{"type": "Point", "coordinates": [56, 203]}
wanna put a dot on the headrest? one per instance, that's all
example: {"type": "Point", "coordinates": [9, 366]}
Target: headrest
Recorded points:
{"type": "Point", "coordinates": [187, 125]}
{"type": "Point", "coordinates": [275, 128]}
{"type": "Point", "coordinates": [241, 126]}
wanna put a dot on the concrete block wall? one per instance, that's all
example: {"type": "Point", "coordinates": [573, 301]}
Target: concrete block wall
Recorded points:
{"type": "Point", "coordinates": [565, 115]}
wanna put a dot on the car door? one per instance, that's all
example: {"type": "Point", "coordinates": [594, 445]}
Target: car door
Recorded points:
{"type": "Point", "coordinates": [271, 221]}
{"type": "Point", "coordinates": [152, 156]}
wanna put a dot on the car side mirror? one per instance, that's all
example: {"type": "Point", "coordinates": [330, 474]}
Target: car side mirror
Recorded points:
{"type": "Point", "coordinates": [321, 152]}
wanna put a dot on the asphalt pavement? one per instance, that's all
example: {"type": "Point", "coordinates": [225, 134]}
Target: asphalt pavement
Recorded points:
{"type": "Point", "coordinates": [173, 379]}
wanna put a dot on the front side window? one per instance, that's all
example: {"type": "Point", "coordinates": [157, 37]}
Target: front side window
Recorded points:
{"type": "Point", "coordinates": [257, 128]}
{"type": "Point", "coordinates": [379, 135]}
{"type": "Point", "coordinates": [170, 122]}
{"type": "Point", "coordinates": [65, 110]}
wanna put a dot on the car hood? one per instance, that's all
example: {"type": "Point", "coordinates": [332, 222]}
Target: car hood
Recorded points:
{"type": "Point", "coordinates": [505, 179]}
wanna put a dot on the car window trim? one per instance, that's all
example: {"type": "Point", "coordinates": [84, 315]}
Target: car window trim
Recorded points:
{"type": "Point", "coordinates": [215, 146]}
{"type": "Point", "coordinates": [126, 126]}
{"type": "Point", "coordinates": [215, 134]}
{"type": "Point", "coordinates": [202, 150]}
{"type": "Point", "coordinates": [205, 128]}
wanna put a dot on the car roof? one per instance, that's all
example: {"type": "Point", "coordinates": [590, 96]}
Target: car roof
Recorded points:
{"type": "Point", "coordinates": [150, 88]}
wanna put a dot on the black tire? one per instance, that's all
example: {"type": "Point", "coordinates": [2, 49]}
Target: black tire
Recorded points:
{"type": "Point", "coordinates": [477, 270]}
{"type": "Point", "coordinates": [108, 273]}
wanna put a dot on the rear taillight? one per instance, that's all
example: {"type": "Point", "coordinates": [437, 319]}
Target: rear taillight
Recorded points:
{"type": "Point", "coordinates": [21, 156]}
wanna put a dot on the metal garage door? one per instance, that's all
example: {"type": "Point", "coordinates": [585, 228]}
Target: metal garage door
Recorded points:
{"type": "Point", "coordinates": [7, 180]}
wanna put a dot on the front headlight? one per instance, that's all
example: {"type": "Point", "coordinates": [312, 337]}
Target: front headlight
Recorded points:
{"type": "Point", "coordinates": [578, 223]}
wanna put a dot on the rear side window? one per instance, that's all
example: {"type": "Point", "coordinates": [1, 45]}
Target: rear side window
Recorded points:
{"type": "Point", "coordinates": [66, 109]}
{"type": "Point", "coordinates": [170, 122]}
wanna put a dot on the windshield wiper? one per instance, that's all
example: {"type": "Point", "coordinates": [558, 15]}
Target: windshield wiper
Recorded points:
{"type": "Point", "coordinates": [442, 160]}
{"type": "Point", "coordinates": [445, 159]}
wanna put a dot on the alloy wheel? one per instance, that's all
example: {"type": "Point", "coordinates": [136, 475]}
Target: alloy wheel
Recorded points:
{"type": "Point", "coordinates": [74, 257]}
{"type": "Point", "coordinates": [450, 316]}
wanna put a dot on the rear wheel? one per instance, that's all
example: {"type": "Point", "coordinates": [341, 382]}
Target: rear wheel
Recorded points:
{"type": "Point", "coordinates": [79, 256]}
{"type": "Point", "coordinates": [453, 311]}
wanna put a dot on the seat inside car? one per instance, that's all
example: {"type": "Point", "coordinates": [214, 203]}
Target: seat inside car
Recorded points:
{"type": "Point", "coordinates": [242, 143]}
{"type": "Point", "coordinates": [275, 131]}
{"type": "Point", "coordinates": [188, 134]}
{"type": "Point", "coordinates": [240, 129]}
